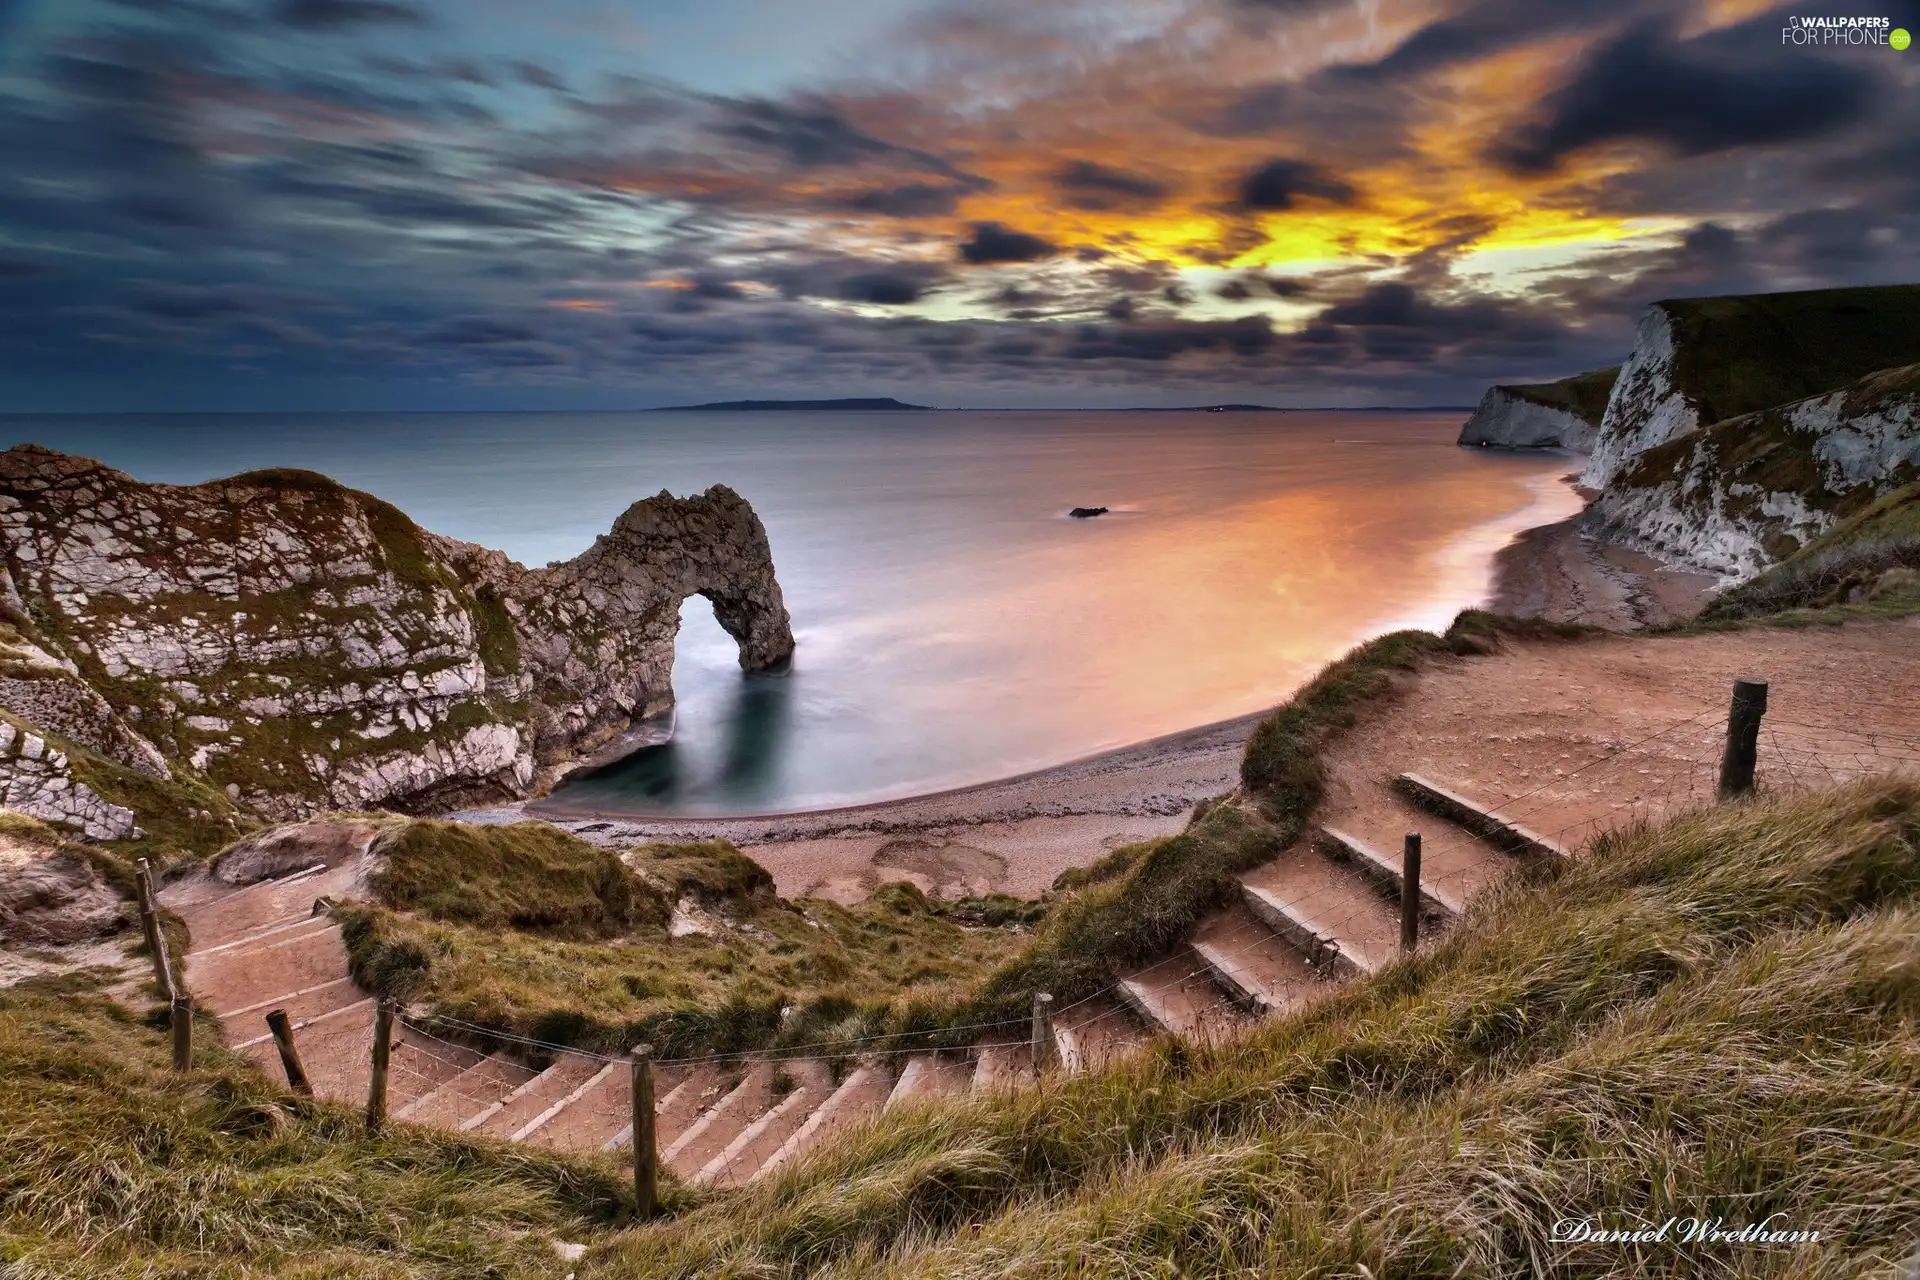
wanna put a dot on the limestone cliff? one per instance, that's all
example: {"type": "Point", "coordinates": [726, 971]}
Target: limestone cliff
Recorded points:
{"type": "Point", "coordinates": [1740, 494]}
{"type": "Point", "coordinates": [1702, 360]}
{"type": "Point", "coordinates": [307, 646]}
{"type": "Point", "coordinates": [1543, 415]}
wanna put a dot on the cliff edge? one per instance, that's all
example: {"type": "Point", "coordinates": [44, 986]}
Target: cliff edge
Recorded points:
{"type": "Point", "coordinates": [305, 646]}
{"type": "Point", "coordinates": [1697, 361]}
{"type": "Point", "coordinates": [1542, 415]}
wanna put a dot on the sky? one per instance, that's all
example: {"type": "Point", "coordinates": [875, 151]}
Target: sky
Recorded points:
{"type": "Point", "coordinates": [601, 204]}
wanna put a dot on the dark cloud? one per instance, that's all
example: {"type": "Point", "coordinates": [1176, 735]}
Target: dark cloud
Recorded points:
{"type": "Point", "coordinates": [1481, 29]}
{"type": "Point", "coordinates": [996, 242]}
{"type": "Point", "coordinates": [887, 288]}
{"type": "Point", "coordinates": [1162, 340]}
{"type": "Point", "coordinates": [814, 135]}
{"type": "Point", "coordinates": [1716, 92]}
{"type": "Point", "coordinates": [911, 200]}
{"type": "Point", "coordinates": [340, 15]}
{"type": "Point", "coordinates": [539, 77]}
{"type": "Point", "coordinates": [482, 331]}
{"type": "Point", "coordinates": [1087, 185]}
{"type": "Point", "coordinates": [1280, 184]}
{"type": "Point", "coordinates": [1234, 291]}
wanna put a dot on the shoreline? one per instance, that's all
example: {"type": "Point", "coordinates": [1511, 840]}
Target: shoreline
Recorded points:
{"type": "Point", "coordinates": [1016, 834]}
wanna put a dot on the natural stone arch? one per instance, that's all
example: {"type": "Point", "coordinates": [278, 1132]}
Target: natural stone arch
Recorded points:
{"type": "Point", "coordinates": [598, 631]}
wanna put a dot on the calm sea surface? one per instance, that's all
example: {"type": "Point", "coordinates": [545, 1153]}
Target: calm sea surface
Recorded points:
{"type": "Point", "coordinates": [954, 626]}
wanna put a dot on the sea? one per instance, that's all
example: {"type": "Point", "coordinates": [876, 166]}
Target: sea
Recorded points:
{"type": "Point", "coordinates": [954, 624]}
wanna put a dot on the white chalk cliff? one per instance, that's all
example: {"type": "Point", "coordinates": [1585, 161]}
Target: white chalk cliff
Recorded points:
{"type": "Point", "coordinates": [305, 646]}
{"type": "Point", "coordinates": [1508, 418]}
{"type": "Point", "coordinates": [1738, 495]}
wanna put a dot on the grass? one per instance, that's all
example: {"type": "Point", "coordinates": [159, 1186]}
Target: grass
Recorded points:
{"type": "Point", "coordinates": [527, 876]}
{"type": "Point", "coordinates": [112, 1165]}
{"type": "Point", "coordinates": [1741, 354]}
{"type": "Point", "coordinates": [527, 930]}
{"type": "Point", "coordinates": [1584, 394]}
{"type": "Point", "coordinates": [1717, 1017]}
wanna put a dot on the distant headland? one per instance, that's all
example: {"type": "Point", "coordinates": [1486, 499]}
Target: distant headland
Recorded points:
{"type": "Point", "coordinates": [858, 403]}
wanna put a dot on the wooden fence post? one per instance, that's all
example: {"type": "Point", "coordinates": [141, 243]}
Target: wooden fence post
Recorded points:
{"type": "Point", "coordinates": [1410, 894]}
{"type": "Point", "coordinates": [289, 1056]}
{"type": "Point", "coordinates": [382, 1054]}
{"type": "Point", "coordinates": [1743, 738]}
{"type": "Point", "coordinates": [645, 1168]}
{"type": "Point", "coordinates": [1042, 1031]}
{"type": "Point", "coordinates": [155, 934]}
{"type": "Point", "coordinates": [182, 1033]}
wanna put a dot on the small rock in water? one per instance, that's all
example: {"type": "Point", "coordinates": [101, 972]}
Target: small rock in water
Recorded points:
{"type": "Point", "coordinates": [1087, 513]}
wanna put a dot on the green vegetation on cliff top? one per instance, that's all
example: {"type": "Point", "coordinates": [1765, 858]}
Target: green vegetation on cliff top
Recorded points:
{"type": "Point", "coordinates": [1748, 352]}
{"type": "Point", "coordinates": [1584, 394]}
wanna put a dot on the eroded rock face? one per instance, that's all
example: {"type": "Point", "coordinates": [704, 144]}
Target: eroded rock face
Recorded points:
{"type": "Point", "coordinates": [1744, 493]}
{"type": "Point", "coordinates": [308, 647]}
{"type": "Point", "coordinates": [36, 779]}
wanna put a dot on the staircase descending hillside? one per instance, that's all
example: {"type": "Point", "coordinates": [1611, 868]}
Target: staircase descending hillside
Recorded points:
{"type": "Point", "coordinates": [1323, 910]}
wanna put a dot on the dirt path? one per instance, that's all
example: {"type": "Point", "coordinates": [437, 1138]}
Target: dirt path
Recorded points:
{"type": "Point", "coordinates": [1571, 738]}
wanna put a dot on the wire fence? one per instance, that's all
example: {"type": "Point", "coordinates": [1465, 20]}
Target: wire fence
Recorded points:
{"type": "Point", "coordinates": [722, 1116]}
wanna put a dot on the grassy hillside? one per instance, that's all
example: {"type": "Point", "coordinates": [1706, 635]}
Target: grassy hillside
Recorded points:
{"type": "Point", "coordinates": [1741, 354]}
{"type": "Point", "coordinates": [1716, 1017]}
{"type": "Point", "coordinates": [112, 1165]}
{"type": "Point", "coordinates": [1584, 394]}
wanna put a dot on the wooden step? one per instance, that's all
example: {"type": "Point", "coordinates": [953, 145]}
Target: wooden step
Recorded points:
{"type": "Point", "coordinates": [1253, 965]}
{"type": "Point", "coordinates": [1325, 909]}
{"type": "Point", "coordinates": [930, 1075]}
{"type": "Point", "coordinates": [1437, 904]}
{"type": "Point", "coordinates": [1177, 996]}
{"type": "Point", "coordinates": [236, 913]}
{"type": "Point", "coordinates": [1095, 1032]}
{"type": "Point", "coordinates": [1485, 822]}
{"type": "Point", "coordinates": [680, 1094]}
{"type": "Point", "coordinates": [592, 1085]}
{"type": "Point", "coordinates": [468, 1094]}
{"type": "Point", "coordinates": [604, 1110]}
{"type": "Point", "coordinates": [275, 931]}
{"type": "Point", "coordinates": [1002, 1066]}
{"type": "Point", "coordinates": [418, 1064]}
{"type": "Point", "coordinates": [324, 997]}
{"type": "Point", "coordinates": [267, 969]}
{"type": "Point", "coordinates": [716, 1128]}
{"type": "Point", "coordinates": [567, 1072]}
{"type": "Point", "coordinates": [753, 1146]}
{"type": "Point", "coordinates": [862, 1094]}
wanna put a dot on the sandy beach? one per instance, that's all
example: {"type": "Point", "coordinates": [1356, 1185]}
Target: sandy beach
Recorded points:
{"type": "Point", "coordinates": [1017, 834]}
